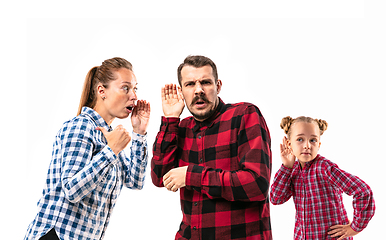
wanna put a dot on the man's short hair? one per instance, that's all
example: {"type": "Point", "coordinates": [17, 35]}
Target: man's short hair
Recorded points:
{"type": "Point", "coordinates": [197, 61]}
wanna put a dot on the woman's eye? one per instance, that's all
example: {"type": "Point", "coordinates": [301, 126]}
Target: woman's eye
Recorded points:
{"type": "Point", "coordinates": [135, 90]}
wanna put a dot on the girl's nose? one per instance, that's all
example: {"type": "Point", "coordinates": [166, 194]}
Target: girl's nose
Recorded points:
{"type": "Point", "coordinates": [307, 145]}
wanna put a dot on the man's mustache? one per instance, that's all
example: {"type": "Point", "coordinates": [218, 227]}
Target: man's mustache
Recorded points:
{"type": "Point", "coordinates": [197, 98]}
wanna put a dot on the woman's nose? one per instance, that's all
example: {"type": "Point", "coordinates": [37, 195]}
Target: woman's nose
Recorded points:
{"type": "Point", "coordinates": [133, 96]}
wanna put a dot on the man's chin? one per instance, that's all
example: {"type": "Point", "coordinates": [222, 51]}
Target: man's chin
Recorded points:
{"type": "Point", "coordinates": [202, 116]}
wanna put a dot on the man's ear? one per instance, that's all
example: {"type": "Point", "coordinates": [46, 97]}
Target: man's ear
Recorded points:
{"type": "Point", "coordinates": [219, 85]}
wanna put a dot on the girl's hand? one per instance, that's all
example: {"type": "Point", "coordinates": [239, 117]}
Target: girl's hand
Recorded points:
{"type": "Point", "coordinates": [286, 154]}
{"type": "Point", "coordinates": [140, 117]}
{"type": "Point", "coordinates": [342, 231]}
{"type": "Point", "coordinates": [116, 139]}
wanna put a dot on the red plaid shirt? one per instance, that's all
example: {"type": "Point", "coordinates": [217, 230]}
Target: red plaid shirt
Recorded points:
{"type": "Point", "coordinates": [317, 192]}
{"type": "Point", "coordinates": [229, 168]}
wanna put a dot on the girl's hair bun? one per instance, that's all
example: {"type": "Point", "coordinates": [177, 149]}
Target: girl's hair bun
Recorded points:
{"type": "Point", "coordinates": [286, 124]}
{"type": "Point", "coordinates": [322, 125]}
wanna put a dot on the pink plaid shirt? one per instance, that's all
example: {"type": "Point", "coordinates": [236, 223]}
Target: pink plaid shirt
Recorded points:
{"type": "Point", "coordinates": [317, 192]}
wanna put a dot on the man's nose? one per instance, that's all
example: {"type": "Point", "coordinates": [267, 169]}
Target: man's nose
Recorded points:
{"type": "Point", "coordinates": [198, 88]}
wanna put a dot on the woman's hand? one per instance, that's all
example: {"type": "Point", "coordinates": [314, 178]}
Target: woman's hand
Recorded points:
{"type": "Point", "coordinates": [140, 117]}
{"type": "Point", "coordinates": [287, 156]}
{"type": "Point", "coordinates": [342, 231]}
{"type": "Point", "coordinates": [116, 139]}
{"type": "Point", "coordinates": [172, 101]}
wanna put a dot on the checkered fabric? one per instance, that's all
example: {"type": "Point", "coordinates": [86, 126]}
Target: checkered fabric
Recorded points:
{"type": "Point", "coordinates": [317, 193]}
{"type": "Point", "coordinates": [84, 180]}
{"type": "Point", "coordinates": [229, 168]}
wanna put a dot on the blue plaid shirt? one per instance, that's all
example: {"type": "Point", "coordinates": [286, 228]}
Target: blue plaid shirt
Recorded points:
{"type": "Point", "coordinates": [84, 180]}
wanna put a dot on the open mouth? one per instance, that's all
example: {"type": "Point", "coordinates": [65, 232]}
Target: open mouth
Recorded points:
{"type": "Point", "coordinates": [130, 108]}
{"type": "Point", "coordinates": [199, 102]}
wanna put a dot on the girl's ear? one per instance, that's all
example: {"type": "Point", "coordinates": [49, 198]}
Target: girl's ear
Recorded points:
{"type": "Point", "coordinates": [288, 142]}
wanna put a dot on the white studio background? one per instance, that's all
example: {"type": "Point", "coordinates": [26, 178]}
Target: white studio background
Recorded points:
{"type": "Point", "coordinates": [324, 67]}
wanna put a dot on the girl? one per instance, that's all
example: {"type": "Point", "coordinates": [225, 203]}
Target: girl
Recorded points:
{"type": "Point", "coordinates": [88, 167]}
{"type": "Point", "coordinates": [316, 185]}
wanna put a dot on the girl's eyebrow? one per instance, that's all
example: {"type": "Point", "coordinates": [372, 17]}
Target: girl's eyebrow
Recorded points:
{"type": "Point", "coordinates": [302, 134]}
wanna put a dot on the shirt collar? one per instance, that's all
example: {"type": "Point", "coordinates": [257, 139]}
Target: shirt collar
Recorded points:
{"type": "Point", "coordinates": [99, 121]}
{"type": "Point", "coordinates": [210, 121]}
{"type": "Point", "coordinates": [308, 164]}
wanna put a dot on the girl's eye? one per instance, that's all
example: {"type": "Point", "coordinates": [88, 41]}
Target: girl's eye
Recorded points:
{"type": "Point", "coordinates": [313, 140]}
{"type": "Point", "coordinates": [299, 139]}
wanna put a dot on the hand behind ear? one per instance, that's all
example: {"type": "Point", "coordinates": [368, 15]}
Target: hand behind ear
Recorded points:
{"type": "Point", "coordinates": [287, 156]}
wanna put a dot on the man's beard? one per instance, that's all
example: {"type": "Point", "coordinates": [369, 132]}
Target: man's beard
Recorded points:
{"type": "Point", "coordinates": [205, 115]}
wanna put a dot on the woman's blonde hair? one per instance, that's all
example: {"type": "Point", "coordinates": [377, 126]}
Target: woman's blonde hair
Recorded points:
{"type": "Point", "coordinates": [102, 74]}
{"type": "Point", "coordinates": [287, 122]}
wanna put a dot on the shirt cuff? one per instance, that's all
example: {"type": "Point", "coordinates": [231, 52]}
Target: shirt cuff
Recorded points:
{"type": "Point", "coordinates": [169, 124]}
{"type": "Point", "coordinates": [193, 177]}
{"type": "Point", "coordinates": [355, 228]}
{"type": "Point", "coordinates": [139, 137]}
{"type": "Point", "coordinates": [109, 155]}
{"type": "Point", "coordinates": [285, 169]}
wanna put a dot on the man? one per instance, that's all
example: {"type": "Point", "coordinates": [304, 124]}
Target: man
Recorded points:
{"type": "Point", "coordinates": [220, 158]}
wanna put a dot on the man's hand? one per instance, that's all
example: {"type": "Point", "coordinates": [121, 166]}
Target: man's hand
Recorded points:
{"type": "Point", "coordinates": [342, 231]}
{"type": "Point", "coordinates": [172, 101]}
{"type": "Point", "coordinates": [175, 178]}
{"type": "Point", "coordinates": [140, 117]}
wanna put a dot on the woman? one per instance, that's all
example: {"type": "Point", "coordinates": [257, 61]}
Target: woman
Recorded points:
{"type": "Point", "coordinates": [88, 167]}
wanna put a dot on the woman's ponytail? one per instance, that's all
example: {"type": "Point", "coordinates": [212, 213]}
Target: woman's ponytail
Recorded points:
{"type": "Point", "coordinates": [88, 98]}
